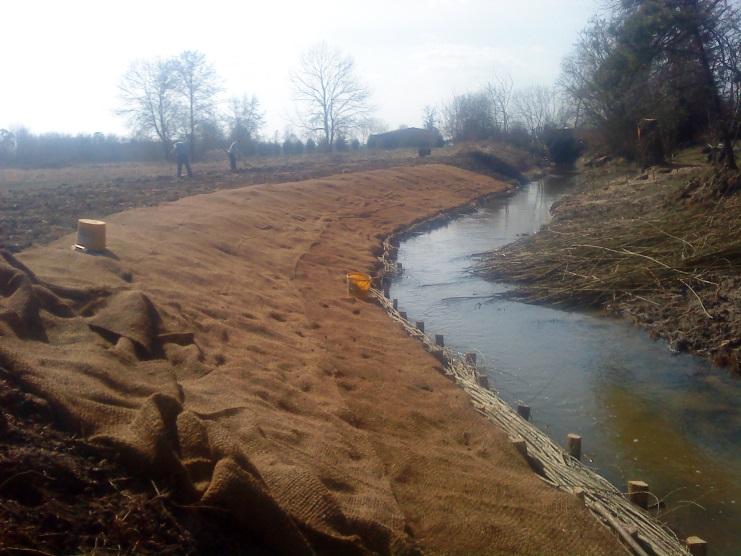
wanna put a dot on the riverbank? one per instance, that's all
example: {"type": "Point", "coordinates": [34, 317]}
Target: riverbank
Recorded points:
{"type": "Point", "coordinates": [213, 350]}
{"type": "Point", "coordinates": [642, 412]}
{"type": "Point", "coordinates": [661, 247]}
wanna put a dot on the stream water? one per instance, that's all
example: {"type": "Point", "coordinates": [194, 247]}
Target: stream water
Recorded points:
{"type": "Point", "coordinates": [644, 413]}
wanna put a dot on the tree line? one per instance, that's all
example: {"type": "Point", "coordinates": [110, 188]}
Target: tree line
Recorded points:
{"type": "Point", "coordinates": [497, 111]}
{"type": "Point", "coordinates": [162, 100]}
{"type": "Point", "coordinates": [21, 148]}
{"type": "Point", "coordinates": [166, 99]}
{"type": "Point", "coordinates": [676, 63]}
{"type": "Point", "coordinates": [177, 98]}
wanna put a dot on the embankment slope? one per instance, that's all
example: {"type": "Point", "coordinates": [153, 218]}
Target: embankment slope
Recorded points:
{"type": "Point", "coordinates": [213, 346]}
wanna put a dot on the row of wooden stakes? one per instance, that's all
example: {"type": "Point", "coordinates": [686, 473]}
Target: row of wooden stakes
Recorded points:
{"type": "Point", "coordinates": [638, 491]}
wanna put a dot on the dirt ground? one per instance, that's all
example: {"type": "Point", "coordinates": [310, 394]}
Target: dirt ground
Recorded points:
{"type": "Point", "coordinates": [38, 206]}
{"type": "Point", "coordinates": [206, 385]}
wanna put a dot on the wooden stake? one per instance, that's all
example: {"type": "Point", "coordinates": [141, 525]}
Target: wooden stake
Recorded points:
{"type": "Point", "coordinates": [638, 493]}
{"type": "Point", "coordinates": [395, 303]}
{"type": "Point", "coordinates": [697, 546]}
{"type": "Point", "coordinates": [523, 411]}
{"type": "Point", "coordinates": [483, 381]}
{"type": "Point", "coordinates": [420, 324]}
{"type": "Point", "coordinates": [573, 445]}
{"type": "Point", "coordinates": [386, 291]}
{"type": "Point", "coordinates": [470, 358]}
{"type": "Point", "coordinates": [403, 314]}
{"type": "Point", "coordinates": [520, 445]}
{"type": "Point", "coordinates": [579, 493]}
{"type": "Point", "coordinates": [439, 340]}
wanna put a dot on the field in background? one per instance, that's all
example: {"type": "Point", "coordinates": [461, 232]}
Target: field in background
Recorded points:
{"type": "Point", "coordinates": [40, 205]}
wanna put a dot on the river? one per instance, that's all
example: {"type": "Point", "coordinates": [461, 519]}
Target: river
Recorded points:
{"type": "Point", "coordinates": [643, 412]}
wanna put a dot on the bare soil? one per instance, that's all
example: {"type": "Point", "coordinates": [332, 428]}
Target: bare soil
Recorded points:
{"type": "Point", "coordinates": [38, 206]}
{"type": "Point", "coordinates": [59, 495]}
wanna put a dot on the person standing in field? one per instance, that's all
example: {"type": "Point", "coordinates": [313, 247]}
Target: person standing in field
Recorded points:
{"type": "Point", "coordinates": [183, 158]}
{"type": "Point", "coordinates": [232, 153]}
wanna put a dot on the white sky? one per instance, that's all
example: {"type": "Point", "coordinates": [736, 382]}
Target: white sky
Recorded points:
{"type": "Point", "coordinates": [63, 59]}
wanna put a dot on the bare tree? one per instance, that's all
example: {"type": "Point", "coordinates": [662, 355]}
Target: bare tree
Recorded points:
{"type": "Point", "coordinates": [536, 108]}
{"type": "Point", "coordinates": [199, 84]}
{"type": "Point", "coordinates": [332, 101]}
{"type": "Point", "coordinates": [469, 117]}
{"type": "Point", "coordinates": [243, 121]}
{"type": "Point", "coordinates": [499, 89]}
{"type": "Point", "coordinates": [429, 117]}
{"type": "Point", "coordinates": [578, 70]}
{"type": "Point", "coordinates": [150, 100]}
{"type": "Point", "coordinates": [451, 118]}
{"type": "Point", "coordinates": [370, 126]}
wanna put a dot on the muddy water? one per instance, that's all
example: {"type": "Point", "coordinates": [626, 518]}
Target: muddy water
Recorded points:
{"type": "Point", "coordinates": [643, 413]}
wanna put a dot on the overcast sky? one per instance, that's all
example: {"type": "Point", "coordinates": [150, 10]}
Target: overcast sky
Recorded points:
{"type": "Point", "coordinates": [63, 59]}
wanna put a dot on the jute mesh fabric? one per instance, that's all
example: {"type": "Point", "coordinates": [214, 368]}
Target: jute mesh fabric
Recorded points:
{"type": "Point", "coordinates": [214, 348]}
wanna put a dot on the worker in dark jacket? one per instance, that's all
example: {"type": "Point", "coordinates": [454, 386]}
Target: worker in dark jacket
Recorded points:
{"type": "Point", "coordinates": [182, 156]}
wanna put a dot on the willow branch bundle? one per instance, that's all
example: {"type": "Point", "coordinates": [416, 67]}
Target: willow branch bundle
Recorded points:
{"type": "Point", "coordinates": [555, 466]}
{"type": "Point", "coordinates": [594, 260]}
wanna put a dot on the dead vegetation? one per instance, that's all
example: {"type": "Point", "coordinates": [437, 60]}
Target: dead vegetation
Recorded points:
{"type": "Point", "coordinates": [662, 247]}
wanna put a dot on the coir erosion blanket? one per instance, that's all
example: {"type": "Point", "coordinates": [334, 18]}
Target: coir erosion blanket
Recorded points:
{"type": "Point", "coordinates": [214, 347]}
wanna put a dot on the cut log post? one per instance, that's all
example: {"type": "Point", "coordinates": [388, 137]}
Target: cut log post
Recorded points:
{"type": "Point", "coordinates": [483, 381]}
{"type": "Point", "coordinates": [579, 493]}
{"type": "Point", "coordinates": [395, 304]}
{"type": "Point", "coordinates": [520, 445]}
{"type": "Point", "coordinates": [697, 546]}
{"type": "Point", "coordinates": [523, 410]}
{"type": "Point", "coordinates": [439, 340]}
{"type": "Point", "coordinates": [420, 324]}
{"type": "Point", "coordinates": [386, 291]}
{"type": "Point", "coordinates": [573, 446]}
{"type": "Point", "coordinates": [638, 493]}
{"type": "Point", "coordinates": [470, 358]}
{"type": "Point", "coordinates": [403, 314]}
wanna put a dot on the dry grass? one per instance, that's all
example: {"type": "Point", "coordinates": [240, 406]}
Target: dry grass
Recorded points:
{"type": "Point", "coordinates": [626, 240]}
{"type": "Point", "coordinates": [662, 248]}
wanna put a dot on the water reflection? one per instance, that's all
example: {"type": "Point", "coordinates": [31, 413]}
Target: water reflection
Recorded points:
{"type": "Point", "coordinates": [672, 421]}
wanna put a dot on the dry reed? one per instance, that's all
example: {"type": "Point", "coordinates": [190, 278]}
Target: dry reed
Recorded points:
{"type": "Point", "coordinates": [679, 248]}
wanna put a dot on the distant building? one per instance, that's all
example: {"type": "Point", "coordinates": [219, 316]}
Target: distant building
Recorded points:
{"type": "Point", "coordinates": [410, 137]}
